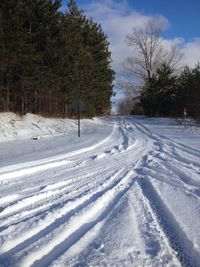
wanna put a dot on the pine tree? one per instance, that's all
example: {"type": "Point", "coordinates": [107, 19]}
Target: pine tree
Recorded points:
{"type": "Point", "coordinates": [167, 86]}
{"type": "Point", "coordinates": [159, 95]}
{"type": "Point", "coordinates": [189, 91]}
{"type": "Point", "coordinates": [90, 73]}
{"type": "Point", "coordinates": [50, 59]}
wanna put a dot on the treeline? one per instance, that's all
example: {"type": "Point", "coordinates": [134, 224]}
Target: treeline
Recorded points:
{"type": "Point", "coordinates": [168, 94]}
{"type": "Point", "coordinates": [49, 59]}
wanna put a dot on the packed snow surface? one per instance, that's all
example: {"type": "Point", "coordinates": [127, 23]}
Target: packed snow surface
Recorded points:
{"type": "Point", "coordinates": [126, 193]}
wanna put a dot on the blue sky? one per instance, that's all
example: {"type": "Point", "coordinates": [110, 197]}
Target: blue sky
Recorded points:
{"type": "Point", "coordinates": [183, 15]}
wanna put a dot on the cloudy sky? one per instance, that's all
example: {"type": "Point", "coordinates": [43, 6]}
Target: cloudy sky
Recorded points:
{"type": "Point", "coordinates": [117, 17]}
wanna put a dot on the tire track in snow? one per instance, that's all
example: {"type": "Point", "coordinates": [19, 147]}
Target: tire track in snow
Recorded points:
{"type": "Point", "coordinates": [182, 170]}
{"type": "Point", "coordinates": [25, 171]}
{"type": "Point", "coordinates": [26, 201]}
{"type": "Point", "coordinates": [164, 154]}
{"type": "Point", "coordinates": [165, 145]}
{"type": "Point", "coordinates": [61, 195]}
{"type": "Point", "coordinates": [81, 225]}
{"type": "Point", "coordinates": [168, 150]}
{"type": "Point", "coordinates": [178, 172]}
{"type": "Point", "coordinates": [83, 200]}
{"type": "Point", "coordinates": [165, 151]}
{"type": "Point", "coordinates": [181, 147]}
{"type": "Point", "coordinates": [115, 190]}
{"type": "Point", "coordinates": [58, 216]}
{"type": "Point", "coordinates": [167, 176]}
{"type": "Point", "coordinates": [164, 168]}
{"type": "Point", "coordinates": [153, 239]}
{"type": "Point", "coordinates": [180, 243]}
{"type": "Point", "coordinates": [185, 174]}
{"type": "Point", "coordinates": [128, 141]}
{"type": "Point", "coordinates": [18, 170]}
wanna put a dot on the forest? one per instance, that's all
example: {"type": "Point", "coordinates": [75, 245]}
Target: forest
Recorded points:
{"type": "Point", "coordinates": [50, 59]}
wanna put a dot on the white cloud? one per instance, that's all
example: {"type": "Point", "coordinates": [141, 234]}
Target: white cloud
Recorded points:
{"type": "Point", "coordinates": [191, 52]}
{"type": "Point", "coordinates": [118, 18]}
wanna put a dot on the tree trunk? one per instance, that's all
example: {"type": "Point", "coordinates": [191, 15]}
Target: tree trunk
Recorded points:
{"type": "Point", "coordinates": [35, 102]}
{"type": "Point", "coordinates": [66, 110]}
{"type": "Point", "coordinates": [8, 93]}
{"type": "Point", "coordinates": [22, 105]}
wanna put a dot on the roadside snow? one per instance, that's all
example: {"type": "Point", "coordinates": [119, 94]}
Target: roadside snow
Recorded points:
{"type": "Point", "coordinates": [29, 126]}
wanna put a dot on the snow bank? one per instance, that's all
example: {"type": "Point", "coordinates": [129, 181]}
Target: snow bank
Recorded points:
{"type": "Point", "coordinates": [13, 126]}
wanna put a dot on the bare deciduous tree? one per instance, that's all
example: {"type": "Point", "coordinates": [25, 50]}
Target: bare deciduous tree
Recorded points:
{"type": "Point", "coordinates": [172, 57]}
{"type": "Point", "coordinates": [151, 54]}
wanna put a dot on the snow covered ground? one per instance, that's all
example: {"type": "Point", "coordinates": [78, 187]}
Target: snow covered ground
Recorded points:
{"type": "Point", "coordinates": [127, 193]}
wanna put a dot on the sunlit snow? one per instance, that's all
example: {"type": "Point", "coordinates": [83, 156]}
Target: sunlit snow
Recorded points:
{"type": "Point", "coordinates": [126, 193]}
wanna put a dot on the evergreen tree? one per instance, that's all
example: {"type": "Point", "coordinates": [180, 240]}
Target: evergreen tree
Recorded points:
{"type": "Point", "coordinates": [50, 59]}
{"type": "Point", "coordinates": [189, 91]}
{"type": "Point", "coordinates": [90, 74]}
{"type": "Point", "coordinates": [159, 96]}
{"type": "Point", "coordinates": [167, 84]}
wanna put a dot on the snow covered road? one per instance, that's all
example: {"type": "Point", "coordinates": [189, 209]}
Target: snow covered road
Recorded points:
{"type": "Point", "coordinates": [127, 193]}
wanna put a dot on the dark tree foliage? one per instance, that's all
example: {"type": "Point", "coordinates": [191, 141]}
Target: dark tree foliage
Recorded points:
{"type": "Point", "coordinates": [189, 91]}
{"type": "Point", "coordinates": [159, 93]}
{"type": "Point", "coordinates": [49, 59]}
{"type": "Point", "coordinates": [166, 94]}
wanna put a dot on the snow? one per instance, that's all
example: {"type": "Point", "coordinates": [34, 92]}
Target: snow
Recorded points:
{"type": "Point", "coordinates": [126, 193]}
